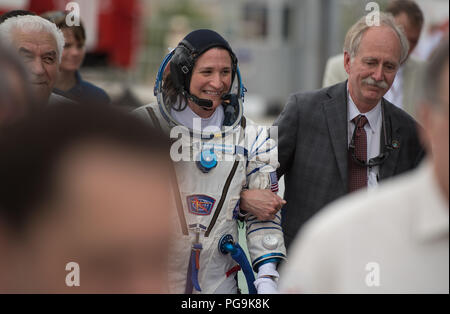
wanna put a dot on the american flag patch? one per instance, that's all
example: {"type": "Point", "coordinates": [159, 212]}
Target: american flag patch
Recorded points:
{"type": "Point", "coordinates": [274, 181]}
{"type": "Point", "coordinates": [236, 210]}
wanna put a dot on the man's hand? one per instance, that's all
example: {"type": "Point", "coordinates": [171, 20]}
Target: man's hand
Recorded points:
{"type": "Point", "coordinates": [263, 204]}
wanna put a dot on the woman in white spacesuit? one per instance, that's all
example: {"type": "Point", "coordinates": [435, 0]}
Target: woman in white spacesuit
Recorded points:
{"type": "Point", "coordinates": [219, 153]}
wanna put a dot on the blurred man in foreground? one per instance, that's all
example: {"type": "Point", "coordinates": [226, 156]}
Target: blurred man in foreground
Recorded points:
{"type": "Point", "coordinates": [394, 240]}
{"type": "Point", "coordinates": [83, 203]}
{"type": "Point", "coordinates": [15, 91]}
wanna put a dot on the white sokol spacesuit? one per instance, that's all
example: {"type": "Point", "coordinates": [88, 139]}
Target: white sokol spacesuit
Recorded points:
{"type": "Point", "coordinates": [211, 169]}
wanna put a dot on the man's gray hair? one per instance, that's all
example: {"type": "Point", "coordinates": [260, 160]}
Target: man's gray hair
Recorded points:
{"type": "Point", "coordinates": [432, 75]}
{"type": "Point", "coordinates": [31, 23]}
{"type": "Point", "coordinates": [355, 33]}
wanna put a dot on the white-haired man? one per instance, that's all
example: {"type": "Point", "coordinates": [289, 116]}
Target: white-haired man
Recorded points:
{"type": "Point", "coordinates": [409, 16]}
{"type": "Point", "coordinates": [394, 240]}
{"type": "Point", "coordinates": [346, 137]}
{"type": "Point", "coordinates": [40, 44]}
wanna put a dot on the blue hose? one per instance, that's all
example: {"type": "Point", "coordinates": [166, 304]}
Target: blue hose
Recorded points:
{"type": "Point", "coordinates": [238, 254]}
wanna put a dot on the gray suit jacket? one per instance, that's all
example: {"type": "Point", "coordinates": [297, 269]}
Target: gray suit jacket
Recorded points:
{"type": "Point", "coordinates": [312, 151]}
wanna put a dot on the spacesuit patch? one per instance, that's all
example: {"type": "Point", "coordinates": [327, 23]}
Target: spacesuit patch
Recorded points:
{"type": "Point", "coordinates": [274, 181]}
{"type": "Point", "coordinates": [199, 204]}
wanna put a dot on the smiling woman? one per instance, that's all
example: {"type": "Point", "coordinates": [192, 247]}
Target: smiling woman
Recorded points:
{"type": "Point", "coordinates": [211, 79]}
{"type": "Point", "coordinates": [200, 93]}
{"type": "Point", "coordinates": [199, 75]}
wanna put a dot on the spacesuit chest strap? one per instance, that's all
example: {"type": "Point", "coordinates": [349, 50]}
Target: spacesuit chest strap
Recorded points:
{"type": "Point", "coordinates": [155, 120]}
{"type": "Point", "coordinates": [173, 180]}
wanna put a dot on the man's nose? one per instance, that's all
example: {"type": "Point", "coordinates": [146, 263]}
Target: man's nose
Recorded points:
{"type": "Point", "coordinates": [378, 74]}
{"type": "Point", "coordinates": [36, 67]}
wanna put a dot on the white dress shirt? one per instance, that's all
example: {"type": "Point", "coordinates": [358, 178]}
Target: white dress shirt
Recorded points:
{"type": "Point", "coordinates": [373, 131]}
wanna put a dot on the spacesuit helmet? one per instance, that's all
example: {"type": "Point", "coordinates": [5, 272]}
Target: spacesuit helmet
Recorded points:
{"type": "Point", "coordinates": [186, 54]}
{"type": "Point", "coordinates": [172, 87]}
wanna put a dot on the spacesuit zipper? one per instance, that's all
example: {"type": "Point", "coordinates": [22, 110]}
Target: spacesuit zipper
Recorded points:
{"type": "Point", "coordinates": [227, 185]}
{"type": "Point", "coordinates": [222, 199]}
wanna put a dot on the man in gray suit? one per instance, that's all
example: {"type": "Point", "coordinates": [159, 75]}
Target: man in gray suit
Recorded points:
{"type": "Point", "coordinates": [409, 16]}
{"type": "Point", "coordinates": [347, 136]}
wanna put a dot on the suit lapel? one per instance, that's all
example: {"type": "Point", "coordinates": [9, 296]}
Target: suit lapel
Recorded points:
{"type": "Point", "coordinates": [335, 111]}
{"type": "Point", "coordinates": [392, 132]}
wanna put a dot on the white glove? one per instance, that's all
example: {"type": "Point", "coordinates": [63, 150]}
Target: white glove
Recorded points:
{"type": "Point", "coordinates": [267, 279]}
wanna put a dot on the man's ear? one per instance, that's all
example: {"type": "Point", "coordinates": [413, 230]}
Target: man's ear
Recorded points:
{"type": "Point", "coordinates": [347, 61]}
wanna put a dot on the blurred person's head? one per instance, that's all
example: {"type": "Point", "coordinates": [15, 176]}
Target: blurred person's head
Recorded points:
{"type": "Point", "coordinates": [203, 66]}
{"type": "Point", "coordinates": [40, 44]}
{"type": "Point", "coordinates": [84, 184]}
{"type": "Point", "coordinates": [75, 39]}
{"type": "Point", "coordinates": [14, 13]}
{"type": "Point", "coordinates": [409, 16]}
{"type": "Point", "coordinates": [16, 99]}
{"type": "Point", "coordinates": [434, 112]}
{"type": "Point", "coordinates": [372, 56]}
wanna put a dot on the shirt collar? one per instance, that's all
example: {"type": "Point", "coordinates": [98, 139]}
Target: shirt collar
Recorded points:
{"type": "Point", "coordinates": [373, 116]}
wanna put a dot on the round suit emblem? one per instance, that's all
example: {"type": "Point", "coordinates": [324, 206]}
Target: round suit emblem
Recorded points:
{"type": "Point", "coordinates": [270, 242]}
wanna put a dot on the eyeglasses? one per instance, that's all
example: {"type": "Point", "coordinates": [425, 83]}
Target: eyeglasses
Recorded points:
{"type": "Point", "coordinates": [382, 157]}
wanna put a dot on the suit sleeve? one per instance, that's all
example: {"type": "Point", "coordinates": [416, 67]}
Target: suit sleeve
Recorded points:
{"type": "Point", "coordinates": [287, 124]}
{"type": "Point", "coordinates": [265, 239]}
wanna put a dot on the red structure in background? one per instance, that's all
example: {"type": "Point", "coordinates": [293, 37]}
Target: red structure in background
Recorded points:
{"type": "Point", "coordinates": [118, 24]}
{"type": "Point", "coordinates": [119, 29]}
